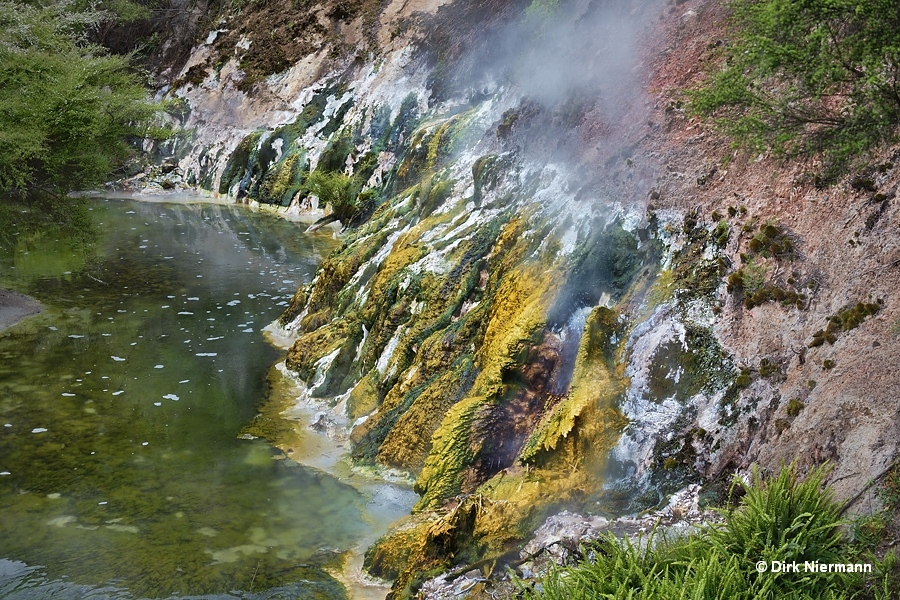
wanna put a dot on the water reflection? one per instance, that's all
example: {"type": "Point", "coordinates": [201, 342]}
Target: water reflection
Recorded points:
{"type": "Point", "coordinates": [121, 403]}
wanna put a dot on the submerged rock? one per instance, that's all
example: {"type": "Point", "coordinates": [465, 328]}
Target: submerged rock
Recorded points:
{"type": "Point", "coordinates": [14, 307]}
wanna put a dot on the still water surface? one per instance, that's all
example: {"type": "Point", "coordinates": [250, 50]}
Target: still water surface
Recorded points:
{"type": "Point", "coordinates": [121, 471]}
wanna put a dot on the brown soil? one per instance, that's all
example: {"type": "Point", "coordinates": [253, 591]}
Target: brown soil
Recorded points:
{"type": "Point", "coordinates": [847, 240]}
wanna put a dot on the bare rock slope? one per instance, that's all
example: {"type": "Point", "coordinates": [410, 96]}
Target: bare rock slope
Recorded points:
{"type": "Point", "coordinates": [835, 401]}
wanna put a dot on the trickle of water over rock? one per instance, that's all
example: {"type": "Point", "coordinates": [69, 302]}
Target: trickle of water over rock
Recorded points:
{"type": "Point", "coordinates": [480, 326]}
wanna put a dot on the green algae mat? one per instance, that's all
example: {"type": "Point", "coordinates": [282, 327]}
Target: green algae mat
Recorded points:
{"type": "Point", "coordinates": [121, 471]}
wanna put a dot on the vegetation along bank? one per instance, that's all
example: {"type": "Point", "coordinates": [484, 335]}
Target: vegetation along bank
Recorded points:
{"type": "Point", "coordinates": [592, 253]}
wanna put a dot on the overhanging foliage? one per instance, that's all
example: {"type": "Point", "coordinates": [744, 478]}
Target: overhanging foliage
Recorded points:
{"type": "Point", "coordinates": [67, 107]}
{"type": "Point", "coordinates": [812, 77]}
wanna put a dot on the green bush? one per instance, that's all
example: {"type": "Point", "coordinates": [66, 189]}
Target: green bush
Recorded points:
{"type": "Point", "coordinates": [808, 77]}
{"type": "Point", "coordinates": [794, 407]}
{"type": "Point", "coordinates": [337, 190]}
{"type": "Point", "coordinates": [67, 108]}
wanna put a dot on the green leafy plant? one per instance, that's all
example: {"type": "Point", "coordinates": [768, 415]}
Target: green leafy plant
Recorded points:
{"type": "Point", "coordinates": [769, 246]}
{"type": "Point", "coordinates": [769, 368]}
{"type": "Point", "coordinates": [744, 379]}
{"type": "Point", "coordinates": [754, 276]}
{"type": "Point", "coordinates": [337, 190]}
{"type": "Point", "coordinates": [771, 240]}
{"type": "Point", "coordinates": [868, 530]}
{"type": "Point", "coordinates": [808, 77]}
{"type": "Point", "coordinates": [795, 405]}
{"type": "Point", "coordinates": [890, 490]}
{"type": "Point", "coordinates": [67, 108]}
{"type": "Point", "coordinates": [785, 518]}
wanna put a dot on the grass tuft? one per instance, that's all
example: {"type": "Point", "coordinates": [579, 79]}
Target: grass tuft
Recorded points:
{"type": "Point", "coordinates": [785, 518]}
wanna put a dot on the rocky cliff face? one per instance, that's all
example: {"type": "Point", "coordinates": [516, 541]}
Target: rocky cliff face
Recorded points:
{"type": "Point", "coordinates": [555, 289]}
{"type": "Point", "coordinates": [820, 367]}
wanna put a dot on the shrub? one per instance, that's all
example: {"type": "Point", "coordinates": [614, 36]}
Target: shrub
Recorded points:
{"type": "Point", "coordinates": [808, 77]}
{"type": "Point", "coordinates": [771, 241]}
{"type": "Point", "coordinates": [768, 368]}
{"type": "Point", "coordinates": [783, 518]}
{"type": "Point", "coordinates": [67, 108]}
{"type": "Point", "coordinates": [721, 233]}
{"type": "Point", "coordinates": [337, 190]}
{"type": "Point", "coordinates": [744, 379]}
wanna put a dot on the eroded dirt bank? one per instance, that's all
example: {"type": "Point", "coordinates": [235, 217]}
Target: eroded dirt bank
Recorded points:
{"type": "Point", "coordinates": [835, 401]}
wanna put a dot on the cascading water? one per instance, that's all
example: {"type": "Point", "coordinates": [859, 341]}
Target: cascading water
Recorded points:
{"type": "Point", "coordinates": [484, 326]}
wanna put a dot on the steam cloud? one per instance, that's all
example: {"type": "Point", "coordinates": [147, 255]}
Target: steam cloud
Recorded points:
{"type": "Point", "coordinates": [572, 73]}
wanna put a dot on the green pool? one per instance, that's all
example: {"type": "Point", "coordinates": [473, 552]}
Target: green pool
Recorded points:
{"type": "Point", "coordinates": [121, 471]}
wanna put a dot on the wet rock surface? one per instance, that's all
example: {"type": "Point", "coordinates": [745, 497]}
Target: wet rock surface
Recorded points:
{"type": "Point", "coordinates": [545, 299]}
{"type": "Point", "coordinates": [566, 538]}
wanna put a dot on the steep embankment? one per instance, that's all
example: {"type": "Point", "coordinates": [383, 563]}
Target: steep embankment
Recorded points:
{"type": "Point", "coordinates": [554, 288]}
{"type": "Point", "coordinates": [822, 368]}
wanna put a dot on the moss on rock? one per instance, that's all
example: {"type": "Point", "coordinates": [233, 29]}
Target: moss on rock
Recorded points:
{"type": "Point", "coordinates": [517, 317]}
{"type": "Point", "coordinates": [240, 161]}
{"type": "Point", "coordinates": [409, 441]}
{"type": "Point", "coordinates": [594, 384]}
{"type": "Point", "coordinates": [284, 181]}
{"type": "Point", "coordinates": [847, 318]}
{"type": "Point", "coordinates": [451, 452]}
{"type": "Point", "coordinates": [364, 396]}
{"type": "Point", "coordinates": [309, 348]}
